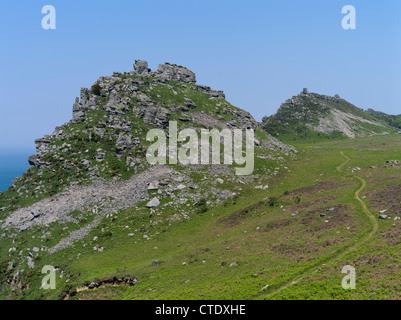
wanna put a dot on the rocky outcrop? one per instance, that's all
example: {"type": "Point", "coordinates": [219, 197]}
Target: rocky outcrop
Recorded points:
{"type": "Point", "coordinates": [311, 112]}
{"type": "Point", "coordinates": [91, 174]}
{"type": "Point", "coordinates": [166, 71]}
{"type": "Point", "coordinates": [108, 282]}
{"type": "Point", "coordinates": [175, 73]}
{"type": "Point", "coordinates": [105, 138]}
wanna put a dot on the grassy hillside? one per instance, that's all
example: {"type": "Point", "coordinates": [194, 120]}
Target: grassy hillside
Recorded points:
{"type": "Point", "coordinates": [308, 224]}
{"type": "Point", "coordinates": [114, 227]}
{"type": "Point", "coordinates": [392, 120]}
{"type": "Point", "coordinates": [313, 117]}
{"type": "Point", "coordinates": [90, 187]}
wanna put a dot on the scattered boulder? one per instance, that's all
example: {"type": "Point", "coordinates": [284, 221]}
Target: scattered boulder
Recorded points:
{"type": "Point", "coordinates": [99, 155]}
{"type": "Point", "coordinates": [180, 187]}
{"type": "Point", "coordinates": [30, 263]}
{"type": "Point", "coordinates": [189, 103]}
{"type": "Point", "coordinates": [153, 203]}
{"type": "Point", "coordinates": [153, 185]}
{"type": "Point", "coordinates": [172, 72]}
{"type": "Point", "coordinates": [35, 213]}
{"type": "Point", "coordinates": [141, 67]}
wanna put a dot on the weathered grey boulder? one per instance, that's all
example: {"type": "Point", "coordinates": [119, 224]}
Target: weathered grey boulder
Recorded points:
{"type": "Point", "coordinates": [99, 131]}
{"type": "Point", "coordinates": [156, 116]}
{"type": "Point", "coordinates": [33, 161]}
{"type": "Point", "coordinates": [180, 187]}
{"type": "Point", "coordinates": [42, 145]}
{"type": "Point", "coordinates": [77, 111]}
{"type": "Point", "coordinates": [162, 118]}
{"type": "Point", "coordinates": [153, 203]}
{"type": "Point", "coordinates": [141, 67]}
{"type": "Point", "coordinates": [130, 162]}
{"type": "Point", "coordinates": [30, 263]}
{"type": "Point", "coordinates": [189, 103]}
{"type": "Point", "coordinates": [124, 142]}
{"type": "Point", "coordinates": [35, 213]}
{"type": "Point", "coordinates": [153, 185]}
{"type": "Point", "coordinates": [171, 72]}
{"type": "Point", "coordinates": [99, 155]}
{"type": "Point", "coordinates": [166, 71]}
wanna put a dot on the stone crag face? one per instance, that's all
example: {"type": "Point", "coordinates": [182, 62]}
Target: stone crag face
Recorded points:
{"type": "Point", "coordinates": [119, 91]}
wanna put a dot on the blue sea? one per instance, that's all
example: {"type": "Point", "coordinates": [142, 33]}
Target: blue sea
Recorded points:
{"type": "Point", "coordinates": [13, 164]}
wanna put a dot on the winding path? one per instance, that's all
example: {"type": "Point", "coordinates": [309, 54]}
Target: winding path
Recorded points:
{"type": "Point", "coordinates": [351, 248]}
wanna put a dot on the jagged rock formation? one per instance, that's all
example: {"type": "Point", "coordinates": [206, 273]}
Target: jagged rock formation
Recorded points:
{"type": "Point", "coordinates": [92, 171]}
{"type": "Point", "coordinates": [309, 114]}
{"type": "Point", "coordinates": [106, 138]}
{"type": "Point", "coordinates": [112, 107]}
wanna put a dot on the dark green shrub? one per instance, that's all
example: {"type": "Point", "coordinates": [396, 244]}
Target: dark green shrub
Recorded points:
{"type": "Point", "coordinates": [96, 89]}
{"type": "Point", "coordinates": [106, 234]}
{"type": "Point", "coordinates": [201, 205]}
{"type": "Point", "coordinates": [273, 201]}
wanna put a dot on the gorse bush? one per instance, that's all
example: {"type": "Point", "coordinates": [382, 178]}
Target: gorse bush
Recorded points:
{"type": "Point", "coordinates": [202, 207]}
{"type": "Point", "coordinates": [96, 89]}
{"type": "Point", "coordinates": [273, 201]}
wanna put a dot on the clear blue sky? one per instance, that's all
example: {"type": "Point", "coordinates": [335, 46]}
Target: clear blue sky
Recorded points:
{"type": "Point", "coordinates": [259, 52]}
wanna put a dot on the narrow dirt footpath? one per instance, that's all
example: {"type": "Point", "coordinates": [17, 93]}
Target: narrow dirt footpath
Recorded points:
{"type": "Point", "coordinates": [350, 249]}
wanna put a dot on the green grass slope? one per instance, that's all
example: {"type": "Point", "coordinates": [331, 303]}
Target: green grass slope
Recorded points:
{"type": "Point", "coordinates": [289, 241]}
{"type": "Point", "coordinates": [392, 120]}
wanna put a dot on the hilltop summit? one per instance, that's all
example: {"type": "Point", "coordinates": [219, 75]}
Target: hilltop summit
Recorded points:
{"type": "Point", "coordinates": [105, 142]}
{"type": "Point", "coordinates": [312, 115]}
